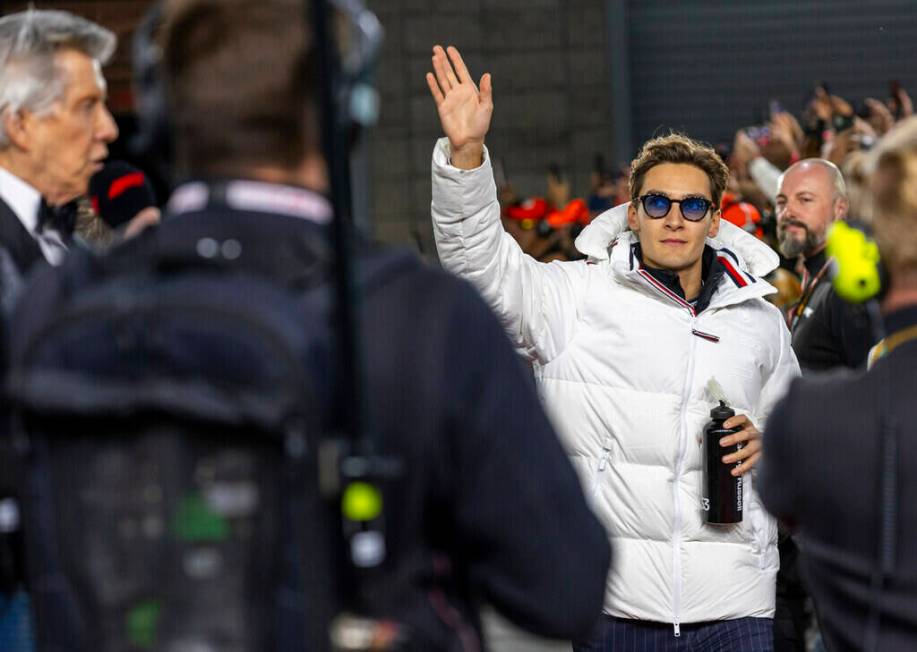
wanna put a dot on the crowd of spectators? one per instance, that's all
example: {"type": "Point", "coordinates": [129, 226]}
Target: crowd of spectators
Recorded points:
{"type": "Point", "coordinates": [829, 127]}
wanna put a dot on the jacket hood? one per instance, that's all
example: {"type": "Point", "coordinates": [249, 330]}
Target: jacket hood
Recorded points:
{"type": "Point", "coordinates": [596, 239]}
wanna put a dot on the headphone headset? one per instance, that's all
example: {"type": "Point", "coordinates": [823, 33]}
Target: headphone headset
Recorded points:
{"type": "Point", "coordinates": [858, 274]}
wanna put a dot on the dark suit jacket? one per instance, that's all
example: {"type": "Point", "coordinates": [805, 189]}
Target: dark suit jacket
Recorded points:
{"type": "Point", "coordinates": [822, 471]}
{"type": "Point", "coordinates": [18, 242]}
{"type": "Point", "coordinates": [835, 333]}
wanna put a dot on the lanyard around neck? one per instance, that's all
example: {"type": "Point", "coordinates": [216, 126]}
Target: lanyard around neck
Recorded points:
{"type": "Point", "coordinates": [809, 291]}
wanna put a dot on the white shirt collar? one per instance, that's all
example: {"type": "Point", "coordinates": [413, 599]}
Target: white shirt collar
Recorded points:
{"type": "Point", "coordinates": [21, 197]}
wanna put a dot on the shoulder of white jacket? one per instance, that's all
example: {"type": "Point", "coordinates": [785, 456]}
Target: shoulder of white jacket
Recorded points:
{"type": "Point", "coordinates": [772, 313]}
{"type": "Point", "coordinates": [749, 297]}
{"type": "Point", "coordinates": [753, 255]}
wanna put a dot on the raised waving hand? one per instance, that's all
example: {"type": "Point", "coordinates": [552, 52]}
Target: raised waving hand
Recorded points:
{"type": "Point", "coordinates": [464, 109]}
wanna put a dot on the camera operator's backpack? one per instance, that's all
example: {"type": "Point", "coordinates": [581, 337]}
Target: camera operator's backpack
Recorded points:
{"type": "Point", "coordinates": [169, 408]}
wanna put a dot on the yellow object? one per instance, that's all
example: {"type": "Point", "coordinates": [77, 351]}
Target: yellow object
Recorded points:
{"type": "Point", "coordinates": [856, 273]}
{"type": "Point", "coordinates": [361, 502]}
{"type": "Point", "coordinates": [886, 345]}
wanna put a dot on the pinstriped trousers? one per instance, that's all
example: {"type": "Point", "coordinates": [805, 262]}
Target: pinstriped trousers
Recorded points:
{"type": "Point", "coordinates": [623, 635]}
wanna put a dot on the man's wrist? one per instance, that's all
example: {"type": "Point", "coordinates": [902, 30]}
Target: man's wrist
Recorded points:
{"type": "Point", "coordinates": [468, 157]}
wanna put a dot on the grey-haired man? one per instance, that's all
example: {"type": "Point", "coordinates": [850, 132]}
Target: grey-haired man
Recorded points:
{"type": "Point", "coordinates": [54, 127]}
{"type": "Point", "coordinates": [54, 134]}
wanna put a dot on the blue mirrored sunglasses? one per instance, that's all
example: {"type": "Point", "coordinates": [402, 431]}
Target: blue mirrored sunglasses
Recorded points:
{"type": "Point", "coordinates": [693, 209]}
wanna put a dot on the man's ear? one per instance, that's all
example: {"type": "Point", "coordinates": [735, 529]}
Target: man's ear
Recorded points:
{"type": "Point", "coordinates": [632, 220]}
{"type": "Point", "coordinates": [714, 224]}
{"type": "Point", "coordinates": [841, 207]}
{"type": "Point", "coordinates": [16, 125]}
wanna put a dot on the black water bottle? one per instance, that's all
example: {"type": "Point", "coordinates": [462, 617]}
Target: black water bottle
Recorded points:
{"type": "Point", "coordinates": [722, 501]}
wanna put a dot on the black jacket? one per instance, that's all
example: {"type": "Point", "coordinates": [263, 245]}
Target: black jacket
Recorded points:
{"type": "Point", "coordinates": [830, 332]}
{"type": "Point", "coordinates": [490, 509]}
{"type": "Point", "coordinates": [19, 244]}
{"type": "Point", "coordinates": [822, 471]}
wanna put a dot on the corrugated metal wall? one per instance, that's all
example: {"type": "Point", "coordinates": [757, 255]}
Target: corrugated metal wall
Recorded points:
{"type": "Point", "coordinates": [711, 66]}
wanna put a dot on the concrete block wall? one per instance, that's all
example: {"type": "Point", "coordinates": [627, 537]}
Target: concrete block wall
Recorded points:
{"type": "Point", "coordinates": [548, 61]}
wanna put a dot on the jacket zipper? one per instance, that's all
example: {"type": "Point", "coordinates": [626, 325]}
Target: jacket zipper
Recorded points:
{"type": "Point", "coordinates": [682, 445]}
{"type": "Point", "coordinates": [676, 520]}
{"type": "Point", "coordinates": [666, 292]}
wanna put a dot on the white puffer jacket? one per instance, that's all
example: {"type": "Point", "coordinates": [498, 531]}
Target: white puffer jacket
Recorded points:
{"type": "Point", "coordinates": [623, 365]}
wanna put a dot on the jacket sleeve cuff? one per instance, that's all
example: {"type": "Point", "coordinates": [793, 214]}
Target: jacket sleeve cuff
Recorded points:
{"type": "Point", "coordinates": [457, 193]}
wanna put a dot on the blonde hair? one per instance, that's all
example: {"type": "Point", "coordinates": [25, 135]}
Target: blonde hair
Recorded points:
{"type": "Point", "coordinates": [894, 194]}
{"type": "Point", "coordinates": [856, 173]}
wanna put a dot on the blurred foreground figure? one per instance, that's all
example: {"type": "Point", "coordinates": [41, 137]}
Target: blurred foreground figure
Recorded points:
{"type": "Point", "coordinates": [486, 508]}
{"type": "Point", "coordinates": [839, 458]}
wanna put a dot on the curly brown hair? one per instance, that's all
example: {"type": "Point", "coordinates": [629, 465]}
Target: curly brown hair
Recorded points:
{"type": "Point", "coordinates": [678, 148]}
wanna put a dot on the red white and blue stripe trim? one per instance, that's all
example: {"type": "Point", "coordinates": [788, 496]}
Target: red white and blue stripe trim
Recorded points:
{"type": "Point", "coordinates": [710, 337]}
{"type": "Point", "coordinates": [740, 278]}
{"type": "Point", "coordinates": [662, 289]}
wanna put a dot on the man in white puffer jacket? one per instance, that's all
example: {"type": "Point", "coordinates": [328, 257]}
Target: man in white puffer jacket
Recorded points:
{"type": "Point", "coordinates": [623, 345]}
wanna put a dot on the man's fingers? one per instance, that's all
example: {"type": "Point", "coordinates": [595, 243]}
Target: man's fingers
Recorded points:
{"type": "Point", "coordinates": [746, 466]}
{"type": "Point", "coordinates": [907, 105]}
{"type": "Point", "coordinates": [446, 67]}
{"type": "Point", "coordinates": [874, 104]}
{"type": "Point", "coordinates": [459, 65]}
{"type": "Point", "coordinates": [748, 434]}
{"type": "Point", "coordinates": [752, 448]}
{"type": "Point", "coordinates": [442, 69]}
{"type": "Point", "coordinates": [487, 96]}
{"type": "Point", "coordinates": [435, 91]}
{"type": "Point", "coordinates": [738, 420]}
